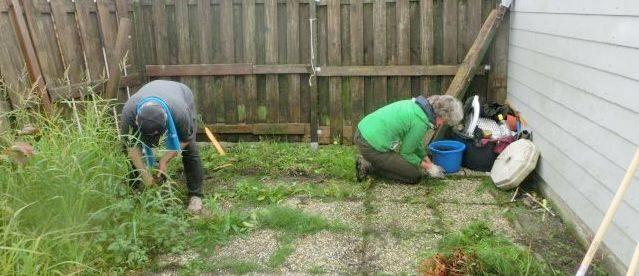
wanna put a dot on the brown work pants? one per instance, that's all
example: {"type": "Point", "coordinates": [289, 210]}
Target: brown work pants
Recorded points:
{"type": "Point", "coordinates": [389, 165]}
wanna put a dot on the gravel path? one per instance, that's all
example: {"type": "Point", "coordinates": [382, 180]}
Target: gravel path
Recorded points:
{"type": "Point", "coordinates": [389, 229]}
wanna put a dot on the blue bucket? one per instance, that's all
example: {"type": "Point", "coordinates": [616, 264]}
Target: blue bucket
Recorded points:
{"type": "Point", "coordinates": [447, 154]}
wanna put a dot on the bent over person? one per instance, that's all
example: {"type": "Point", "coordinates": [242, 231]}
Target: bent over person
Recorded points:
{"type": "Point", "coordinates": [164, 108]}
{"type": "Point", "coordinates": [391, 139]}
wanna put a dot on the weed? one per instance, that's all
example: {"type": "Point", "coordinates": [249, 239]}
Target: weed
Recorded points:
{"type": "Point", "coordinates": [251, 190]}
{"type": "Point", "coordinates": [221, 226]}
{"type": "Point", "coordinates": [489, 253]}
{"type": "Point", "coordinates": [284, 250]}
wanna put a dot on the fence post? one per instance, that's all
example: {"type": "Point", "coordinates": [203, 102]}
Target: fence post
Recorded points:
{"type": "Point", "coordinates": [28, 51]}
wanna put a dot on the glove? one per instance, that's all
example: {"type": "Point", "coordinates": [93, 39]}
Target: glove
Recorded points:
{"type": "Point", "coordinates": [436, 171]}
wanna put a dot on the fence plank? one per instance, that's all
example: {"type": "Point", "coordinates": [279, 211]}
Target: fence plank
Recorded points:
{"type": "Point", "coordinates": [12, 64]}
{"type": "Point", "coordinates": [293, 56]}
{"type": "Point", "coordinates": [250, 82]}
{"type": "Point", "coordinates": [357, 58]}
{"type": "Point", "coordinates": [90, 36]}
{"type": "Point", "coordinates": [335, 59]}
{"type": "Point", "coordinates": [70, 48]}
{"type": "Point", "coordinates": [326, 71]}
{"type": "Point", "coordinates": [228, 56]}
{"type": "Point", "coordinates": [205, 95]}
{"type": "Point", "coordinates": [124, 29]}
{"type": "Point", "coordinates": [462, 29]}
{"type": "Point", "coordinates": [403, 45]}
{"type": "Point", "coordinates": [304, 55]}
{"type": "Point", "coordinates": [427, 36]}
{"type": "Point", "coordinates": [160, 33]}
{"type": "Point", "coordinates": [123, 10]}
{"type": "Point", "coordinates": [272, 85]}
{"type": "Point", "coordinates": [379, 29]}
{"type": "Point", "coordinates": [450, 36]}
{"type": "Point", "coordinates": [238, 29]}
{"type": "Point", "coordinates": [389, 70]}
{"type": "Point", "coordinates": [45, 42]}
{"type": "Point", "coordinates": [107, 28]}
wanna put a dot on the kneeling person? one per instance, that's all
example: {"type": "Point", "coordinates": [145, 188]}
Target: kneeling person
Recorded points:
{"type": "Point", "coordinates": [164, 107]}
{"type": "Point", "coordinates": [391, 139]}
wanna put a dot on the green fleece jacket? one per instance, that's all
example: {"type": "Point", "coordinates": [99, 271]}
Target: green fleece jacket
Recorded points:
{"type": "Point", "coordinates": [400, 126]}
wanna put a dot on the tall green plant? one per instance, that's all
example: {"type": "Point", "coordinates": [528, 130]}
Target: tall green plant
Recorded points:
{"type": "Point", "coordinates": [68, 209]}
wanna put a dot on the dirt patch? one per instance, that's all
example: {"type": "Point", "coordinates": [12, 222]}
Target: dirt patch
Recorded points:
{"type": "Point", "coordinates": [332, 252]}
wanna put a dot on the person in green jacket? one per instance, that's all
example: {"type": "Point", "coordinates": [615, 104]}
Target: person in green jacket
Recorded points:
{"type": "Point", "coordinates": [391, 139]}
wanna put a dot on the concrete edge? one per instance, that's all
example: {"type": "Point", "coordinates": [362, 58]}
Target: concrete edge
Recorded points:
{"type": "Point", "coordinates": [584, 234]}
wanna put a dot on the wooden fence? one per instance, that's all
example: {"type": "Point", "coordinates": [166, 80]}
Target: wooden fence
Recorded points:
{"type": "Point", "coordinates": [248, 62]}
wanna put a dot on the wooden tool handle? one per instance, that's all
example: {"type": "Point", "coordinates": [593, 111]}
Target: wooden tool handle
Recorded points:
{"type": "Point", "coordinates": [614, 205]}
{"type": "Point", "coordinates": [214, 141]}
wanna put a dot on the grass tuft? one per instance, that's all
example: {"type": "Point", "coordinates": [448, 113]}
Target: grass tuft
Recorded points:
{"type": "Point", "coordinates": [478, 250]}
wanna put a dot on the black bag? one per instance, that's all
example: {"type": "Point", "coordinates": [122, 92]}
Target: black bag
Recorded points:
{"type": "Point", "coordinates": [477, 157]}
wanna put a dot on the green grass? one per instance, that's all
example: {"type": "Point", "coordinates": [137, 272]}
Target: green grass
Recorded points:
{"type": "Point", "coordinates": [494, 253]}
{"type": "Point", "coordinates": [295, 221]}
{"type": "Point", "coordinates": [251, 190]}
{"type": "Point", "coordinates": [282, 159]}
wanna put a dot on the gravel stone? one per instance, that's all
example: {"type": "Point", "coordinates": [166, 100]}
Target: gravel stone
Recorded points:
{"type": "Point", "coordinates": [334, 252]}
{"type": "Point", "coordinates": [351, 213]}
{"type": "Point", "coordinates": [464, 191]}
{"type": "Point", "coordinates": [456, 217]}
{"type": "Point", "coordinates": [256, 247]}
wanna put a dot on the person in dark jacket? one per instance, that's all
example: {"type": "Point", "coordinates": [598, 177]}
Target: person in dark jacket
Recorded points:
{"type": "Point", "coordinates": [391, 139]}
{"type": "Point", "coordinates": [163, 108]}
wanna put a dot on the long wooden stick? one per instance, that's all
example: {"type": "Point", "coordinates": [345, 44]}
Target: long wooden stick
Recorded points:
{"type": "Point", "coordinates": [634, 263]}
{"type": "Point", "coordinates": [214, 141]}
{"type": "Point", "coordinates": [616, 201]}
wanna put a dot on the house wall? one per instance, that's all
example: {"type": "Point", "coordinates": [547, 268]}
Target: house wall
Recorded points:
{"type": "Point", "coordinates": [573, 72]}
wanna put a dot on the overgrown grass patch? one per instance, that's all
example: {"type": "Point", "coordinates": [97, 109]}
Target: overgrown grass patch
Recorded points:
{"type": "Point", "coordinates": [69, 210]}
{"type": "Point", "coordinates": [282, 159]}
{"type": "Point", "coordinates": [478, 250]}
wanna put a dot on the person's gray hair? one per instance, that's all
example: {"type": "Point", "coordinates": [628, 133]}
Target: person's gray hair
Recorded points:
{"type": "Point", "coordinates": [448, 108]}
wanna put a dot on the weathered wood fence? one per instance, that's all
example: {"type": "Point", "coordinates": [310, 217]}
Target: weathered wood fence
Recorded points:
{"type": "Point", "coordinates": [248, 62]}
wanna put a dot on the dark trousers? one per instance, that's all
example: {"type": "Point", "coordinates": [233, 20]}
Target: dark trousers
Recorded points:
{"type": "Point", "coordinates": [389, 165]}
{"type": "Point", "coordinates": [193, 170]}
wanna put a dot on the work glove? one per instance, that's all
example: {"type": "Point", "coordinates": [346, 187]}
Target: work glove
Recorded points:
{"type": "Point", "coordinates": [436, 171]}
